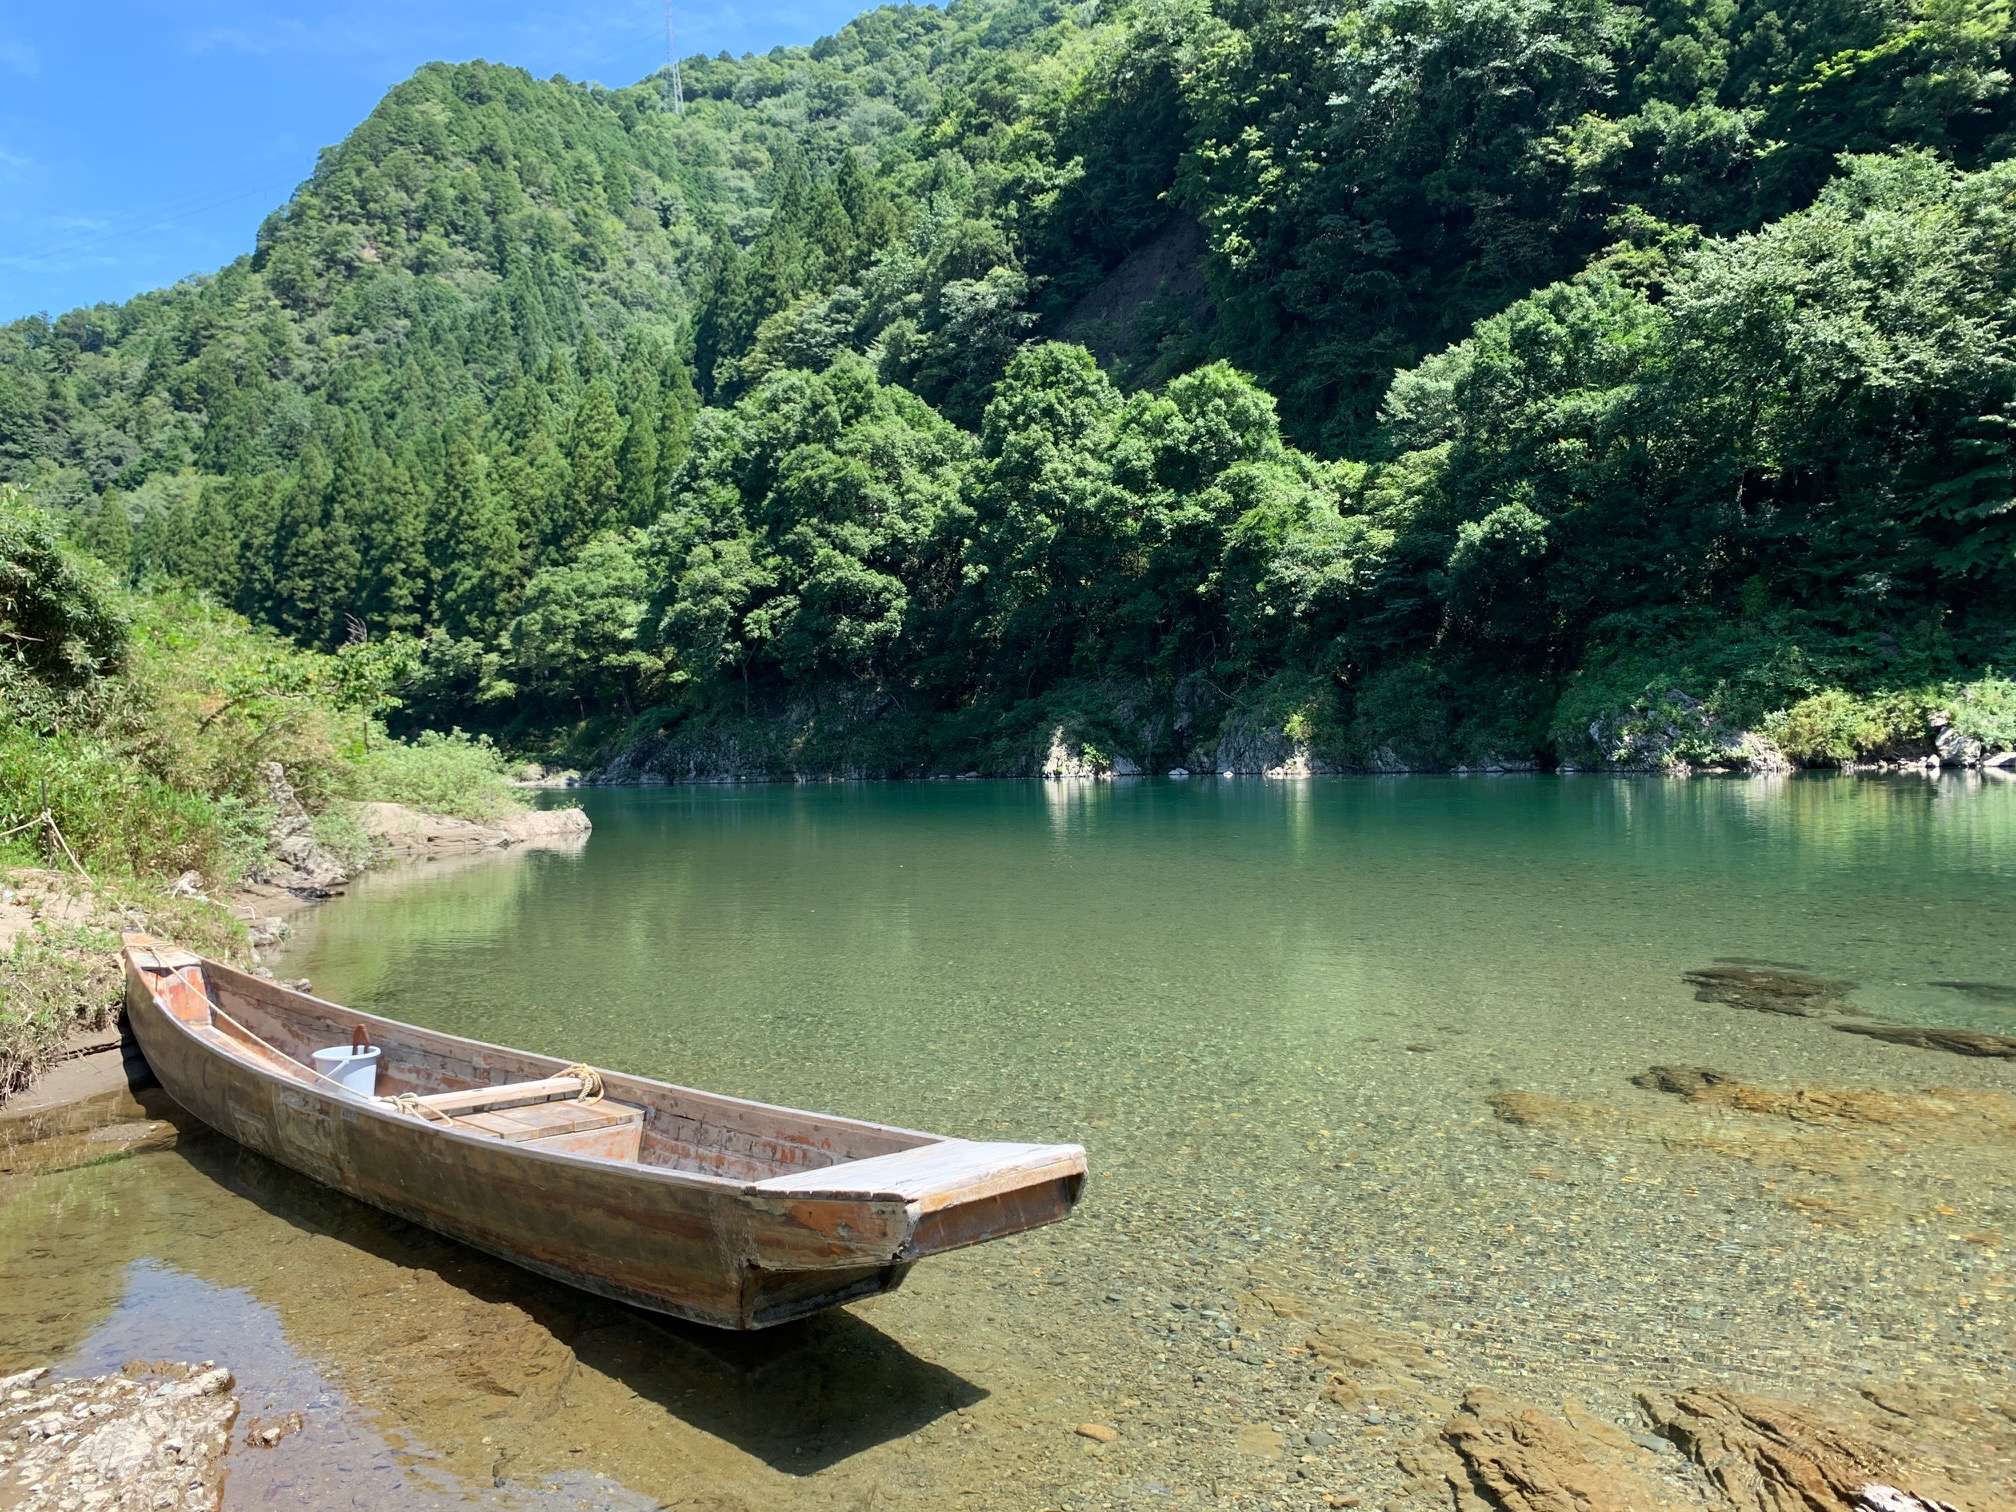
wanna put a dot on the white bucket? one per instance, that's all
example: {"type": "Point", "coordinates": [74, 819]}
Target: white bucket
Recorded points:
{"type": "Point", "coordinates": [355, 1069]}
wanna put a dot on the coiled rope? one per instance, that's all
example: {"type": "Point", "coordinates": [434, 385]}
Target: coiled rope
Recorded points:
{"type": "Point", "coordinates": [409, 1102]}
{"type": "Point", "coordinates": [591, 1083]}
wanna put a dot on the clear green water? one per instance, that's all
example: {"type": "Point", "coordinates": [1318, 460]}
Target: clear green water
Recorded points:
{"type": "Point", "coordinates": [987, 952]}
{"type": "Point", "coordinates": [1278, 1015]}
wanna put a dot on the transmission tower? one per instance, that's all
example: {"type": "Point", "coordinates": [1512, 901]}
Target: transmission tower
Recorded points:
{"type": "Point", "coordinates": [672, 62]}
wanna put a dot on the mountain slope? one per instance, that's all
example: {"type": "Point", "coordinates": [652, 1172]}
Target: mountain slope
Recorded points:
{"type": "Point", "coordinates": [742, 420]}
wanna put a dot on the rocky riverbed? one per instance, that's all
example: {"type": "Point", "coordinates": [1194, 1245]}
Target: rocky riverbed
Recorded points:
{"type": "Point", "coordinates": [1699, 1290]}
{"type": "Point", "coordinates": [150, 1439]}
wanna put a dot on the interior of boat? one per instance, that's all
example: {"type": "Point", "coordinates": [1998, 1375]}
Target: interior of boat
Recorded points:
{"type": "Point", "coordinates": [511, 1095]}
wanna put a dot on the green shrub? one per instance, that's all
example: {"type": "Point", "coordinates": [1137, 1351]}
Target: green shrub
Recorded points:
{"type": "Point", "coordinates": [341, 837]}
{"type": "Point", "coordinates": [1433, 715]}
{"type": "Point", "coordinates": [1829, 726]}
{"type": "Point", "coordinates": [60, 630]}
{"type": "Point", "coordinates": [439, 774]}
{"type": "Point", "coordinates": [214, 699]}
{"type": "Point", "coordinates": [1835, 725]}
{"type": "Point", "coordinates": [1986, 710]}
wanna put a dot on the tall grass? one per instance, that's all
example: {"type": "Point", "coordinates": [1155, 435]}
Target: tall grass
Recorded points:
{"type": "Point", "coordinates": [50, 987]}
{"type": "Point", "coordinates": [54, 982]}
{"type": "Point", "coordinates": [118, 818]}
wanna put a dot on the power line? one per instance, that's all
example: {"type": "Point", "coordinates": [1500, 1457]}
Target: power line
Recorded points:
{"type": "Point", "coordinates": [137, 223]}
{"type": "Point", "coordinates": [623, 49]}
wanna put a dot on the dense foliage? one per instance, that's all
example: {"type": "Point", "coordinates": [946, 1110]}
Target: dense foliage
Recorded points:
{"type": "Point", "coordinates": [145, 724]}
{"type": "Point", "coordinates": [1474, 375]}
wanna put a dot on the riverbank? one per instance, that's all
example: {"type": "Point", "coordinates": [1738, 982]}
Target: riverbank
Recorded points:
{"type": "Point", "coordinates": [1297, 728]}
{"type": "Point", "coordinates": [152, 1437]}
{"type": "Point", "coordinates": [63, 1059]}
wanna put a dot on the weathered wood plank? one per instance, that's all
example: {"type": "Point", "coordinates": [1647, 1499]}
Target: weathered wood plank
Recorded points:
{"type": "Point", "coordinates": [544, 1120]}
{"type": "Point", "coordinates": [942, 1174]}
{"type": "Point", "coordinates": [491, 1097]}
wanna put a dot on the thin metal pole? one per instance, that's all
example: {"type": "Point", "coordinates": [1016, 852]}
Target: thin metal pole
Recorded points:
{"type": "Point", "coordinates": [672, 61]}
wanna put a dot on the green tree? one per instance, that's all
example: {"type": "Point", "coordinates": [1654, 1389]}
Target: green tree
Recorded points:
{"type": "Point", "coordinates": [112, 537]}
{"type": "Point", "coordinates": [316, 559]}
{"type": "Point", "coordinates": [595, 481]}
{"type": "Point", "coordinates": [575, 642]}
{"type": "Point", "coordinates": [395, 586]}
{"type": "Point", "coordinates": [1048, 523]}
{"type": "Point", "coordinates": [476, 550]}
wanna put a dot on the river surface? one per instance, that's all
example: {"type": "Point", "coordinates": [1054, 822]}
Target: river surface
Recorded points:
{"type": "Point", "coordinates": [1353, 1062]}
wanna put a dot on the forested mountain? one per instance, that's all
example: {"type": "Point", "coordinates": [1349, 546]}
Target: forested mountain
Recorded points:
{"type": "Point", "coordinates": [1411, 381]}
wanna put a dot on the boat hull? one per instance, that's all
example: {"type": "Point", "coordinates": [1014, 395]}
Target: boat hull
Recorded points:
{"type": "Point", "coordinates": [705, 1249]}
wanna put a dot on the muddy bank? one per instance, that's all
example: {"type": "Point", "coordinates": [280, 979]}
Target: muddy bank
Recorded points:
{"type": "Point", "coordinates": [397, 834]}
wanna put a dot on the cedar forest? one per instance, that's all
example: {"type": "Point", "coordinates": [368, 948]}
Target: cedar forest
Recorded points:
{"type": "Point", "coordinates": [1436, 381]}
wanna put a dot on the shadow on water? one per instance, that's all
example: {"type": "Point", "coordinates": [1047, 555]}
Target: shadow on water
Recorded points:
{"type": "Point", "coordinates": [800, 1397]}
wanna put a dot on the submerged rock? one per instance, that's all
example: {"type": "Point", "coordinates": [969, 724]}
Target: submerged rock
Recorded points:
{"type": "Point", "coordinates": [1999, 993]}
{"type": "Point", "coordinates": [1508, 1456]}
{"type": "Point", "coordinates": [151, 1439]}
{"type": "Point", "coordinates": [1681, 1080]}
{"type": "Point", "coordinates": [1770, 1456]}
{"type": "Point", "coordinates": [1538, 1110]}
{"type": "Point", "coordinates": [1955, 1041]}
{"type": "Point", "coordinates": [1769, 989]}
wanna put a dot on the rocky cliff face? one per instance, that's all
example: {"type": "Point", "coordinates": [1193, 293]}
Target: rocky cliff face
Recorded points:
{"type": "Point", "coordinates": [1095, 730]}
{"type": "Point", "coordinates": [1678, 734]}
{"type": "Point", "coordinates": [295, 859]}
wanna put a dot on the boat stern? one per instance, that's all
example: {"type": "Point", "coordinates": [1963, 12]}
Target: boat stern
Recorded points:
{"type": "Point", "coordinates": [955, 1192]}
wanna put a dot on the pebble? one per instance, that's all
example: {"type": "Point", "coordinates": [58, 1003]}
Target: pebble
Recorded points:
{"type": "Point", "coordinates": [1097, 1432]}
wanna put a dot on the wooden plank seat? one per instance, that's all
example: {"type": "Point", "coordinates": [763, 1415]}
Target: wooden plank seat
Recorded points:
{"type": "Point", "coordinates": [470, 1099]}
{"type": "Point", "coordinates": [545, 1113]}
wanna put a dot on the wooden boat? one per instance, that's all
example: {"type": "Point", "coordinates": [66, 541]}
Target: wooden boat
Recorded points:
{"type": "Point", "coordinates": [706, 1207]}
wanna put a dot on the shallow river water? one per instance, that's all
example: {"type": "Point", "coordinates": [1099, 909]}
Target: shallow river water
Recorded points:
{"type": "Point", "coordinates": [1353, 1062]}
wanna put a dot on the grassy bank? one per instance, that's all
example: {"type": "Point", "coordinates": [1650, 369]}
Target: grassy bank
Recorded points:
{"type": "Point", "coordinates": [138, 737]}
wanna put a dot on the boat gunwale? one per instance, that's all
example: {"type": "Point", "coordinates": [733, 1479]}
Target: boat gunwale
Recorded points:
{"type": "Point", "coordinates": [671, 1175]}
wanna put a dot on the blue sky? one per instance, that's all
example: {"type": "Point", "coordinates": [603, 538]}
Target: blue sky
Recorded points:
{"type": "Point", "coordinates": [142, 140]}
